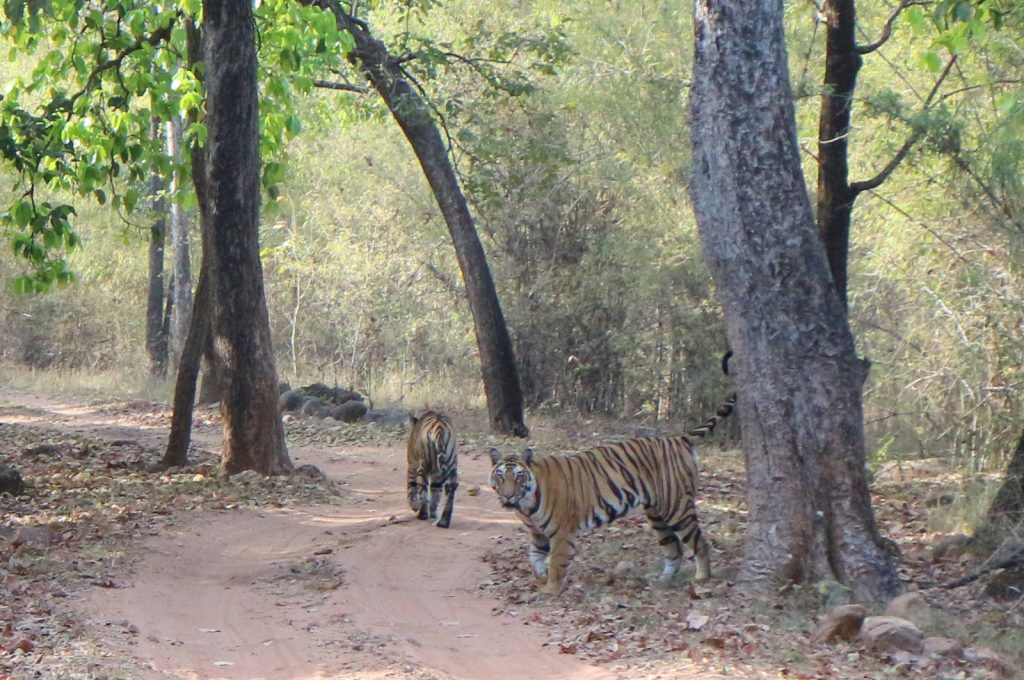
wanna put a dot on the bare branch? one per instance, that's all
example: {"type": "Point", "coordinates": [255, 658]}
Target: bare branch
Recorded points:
{"type": "Point", "coordinates": [335, 85]}
{"type": "Point", "coordinates": [887, 27]}
{"type": "Point", "coordinates": [914, 138]}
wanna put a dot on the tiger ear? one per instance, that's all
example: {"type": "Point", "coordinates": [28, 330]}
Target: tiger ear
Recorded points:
{"type": "Point", "coordinates": [495, 455]}
{"type": "Point", "coordinates": [528, 456]}
{"type": "Point", "coordinates": [413, 419]}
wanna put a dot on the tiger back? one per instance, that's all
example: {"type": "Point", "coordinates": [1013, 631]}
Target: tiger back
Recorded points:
{"type": "Point", "coordinates": [432, 467]}
{"type": "Point", "coordinates": [557, 496]}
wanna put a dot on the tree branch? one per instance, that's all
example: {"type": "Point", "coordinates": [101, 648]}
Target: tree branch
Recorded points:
{"type": "Point", "coordinates": [335, 85]}
{"type": "Point", "coordinates": [887, 27]}
{"type": "Point", "coordinates": [914, 138]}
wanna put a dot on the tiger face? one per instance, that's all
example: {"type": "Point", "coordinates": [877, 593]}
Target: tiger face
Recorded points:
{"type": "Point", "coordinates": [512, 479]}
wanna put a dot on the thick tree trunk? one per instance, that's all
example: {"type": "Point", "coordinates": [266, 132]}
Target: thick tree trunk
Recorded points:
{"type": "Point", "coordinates": [799, 379]}
{"type": "Point", "coordinates": [253, 431]}
{"type": "Point", "coordinates": [181, 282]}
{"type": "Point", "coordinates": [156, 337]}
{"type": "Point", "coordinates": [497, 357]}
{"type": "Point", "coordinates": [1007, 508]}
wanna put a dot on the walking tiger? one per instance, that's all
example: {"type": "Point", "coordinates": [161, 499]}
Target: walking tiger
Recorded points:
{"type": "Point", "coordinates": [432, 466]}
{"type": "Point", "coordinates": [557, 496]}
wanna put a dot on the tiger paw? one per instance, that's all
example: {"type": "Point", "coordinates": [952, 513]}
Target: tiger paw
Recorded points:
{"type": "Point", "coordinates": [443, 523]}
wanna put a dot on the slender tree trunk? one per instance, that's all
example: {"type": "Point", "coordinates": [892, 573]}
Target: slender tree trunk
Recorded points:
{"type": "Point", "coordinates": [253, 431]}
{"type": "Point", "coordinates": [156, 337]}
{"type": "Point", "coordinates": [497, 357]}
{"type": "Point", "coordinates": [181, 282]}
{"type": "Point", "coordinates": [176, 453]}
{"type": "Point", "coordinates": [800, 381]}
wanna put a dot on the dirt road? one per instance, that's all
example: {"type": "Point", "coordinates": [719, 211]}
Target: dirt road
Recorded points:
{"type": "Point", "coordinates": [358, 589]}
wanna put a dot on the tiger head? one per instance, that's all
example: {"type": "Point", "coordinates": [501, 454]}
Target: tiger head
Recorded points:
{"type": "Point", "coordinates": [512, 479]}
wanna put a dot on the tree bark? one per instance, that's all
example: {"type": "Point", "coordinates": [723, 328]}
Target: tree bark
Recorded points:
{"type": "Point", "coordinates": [497, 357]}
{"type": "Point", "coordinates": [195, 343]}
{"type": "Point", "coordinates": [156, 337]}
{"type": "Point", "coordinates": [181, 281]}
{"type": "Point", "coordinates": [799, 378]}
{"type": "Point", "coordinates": [1007, 508]}
{"type": "Point", "coordinates": [253, 431]}
{"type": "Point", "coordinates": [835, 197]}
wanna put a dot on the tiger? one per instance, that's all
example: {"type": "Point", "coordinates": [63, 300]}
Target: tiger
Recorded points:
{"type": "Point", "coordinates": [558, 496]}
{"type": "Point", "coordinates": [432, 466]}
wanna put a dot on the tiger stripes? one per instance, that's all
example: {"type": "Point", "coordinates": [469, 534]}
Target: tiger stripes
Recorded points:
{"type": "Point", "coordinates": [557, 496]}
{"type": "Point", "coordinates": [432, 466]}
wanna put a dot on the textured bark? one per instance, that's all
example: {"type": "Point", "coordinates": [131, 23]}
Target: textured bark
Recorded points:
{"type": "Point", "coordinates": [799, 378]}
{"type": "Point", "coordinates": [176, 453]}
{"type": "Point", "coordinates": [156, 336]}
{"type": "Point", "coordinates": [253, 431]}
{"type": "Point", "coordinates": [195, 343]}
{"type": "Point", "coordinates": [181, 281]}
{"type": "Point", "coordinates": [835, 197]}
{"type": "Point", "coordinates": [497, 357]}
{"type": "Point", "coordinates": [1007, 508]}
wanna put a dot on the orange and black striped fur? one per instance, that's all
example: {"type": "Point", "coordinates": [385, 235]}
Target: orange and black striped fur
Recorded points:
{"type": "Point", "coordinates": [557, 496]}
{"type": "Point", "coordinates": [433, 466]}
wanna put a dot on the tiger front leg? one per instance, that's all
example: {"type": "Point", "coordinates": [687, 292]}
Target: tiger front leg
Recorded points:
{"type": "Point", "coordinates": [562, 551]}
{"type": "Point", "coordinates": [540, 547]}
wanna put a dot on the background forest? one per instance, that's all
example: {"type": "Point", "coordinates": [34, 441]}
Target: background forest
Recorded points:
{"type": "Point", "coordinates": [570, 133]}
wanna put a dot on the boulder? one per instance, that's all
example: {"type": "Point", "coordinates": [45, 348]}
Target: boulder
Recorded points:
{"type": "Point", "coordinates": [11, 481]}
{"type": "Point", "coordinates": [350, 411]}
{"type": "Point", "coordinates": [913, 607]}
{"type": "Point", "coordinates": [312, 407]}
{"type": "Point", "coordinates": [889, 634]}
{"type": "Point", "coordinates": [291, 400]}
{"type": "Point", "coordinates": [842, 623]}
{"type": "Point", "coordinates": [944, 647]}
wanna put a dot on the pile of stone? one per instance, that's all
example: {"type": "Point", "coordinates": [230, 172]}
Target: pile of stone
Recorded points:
{"type": "Point", "coordinates": [320, 401]}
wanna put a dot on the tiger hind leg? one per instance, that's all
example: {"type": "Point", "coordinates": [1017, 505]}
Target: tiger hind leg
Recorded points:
{"type": "Point", "coordinates": [671, 548]}
{"type": "Point", "coordinates": [449, 487]}
{"type": "Point", "coordinates": [418, 492]}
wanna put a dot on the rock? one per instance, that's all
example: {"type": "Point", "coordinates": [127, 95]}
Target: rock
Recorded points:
{"type": "Point", "coordinates": [312, 407]}
{"type": "Point", "coordinates": [320, 391]}
{"type": "Point", "coordinates": [34, 537]}
{"type": "Point", "coordinates": [1007, 585]}
{"type": "Point", "coordinates": [842, 623]}
{"type": "Point", "coordinates": [11, 481]}
{"type": "Point", "coordinates": [350, 411]}
{"type": "Point", "coordinates": [913, 607]}
{"type": "Point", "coordinates": [986, 658]}
{"type": "Point", "coordinates": [944, 647]}
{"type": "Point", "coordinates": [951, 547]}
{"type": "Point", "coordinates": [889, 634]}
{"type": "Point", "coordinates": [386, 417]}
{"type": "Point", "coordinates": [341, 395]}
{"type": "Point", "coordinates": [291, 400]}
{"type": "Point", "coordinates": [283, 386]}
{"type": "Point", "coordinates": [309, 470]}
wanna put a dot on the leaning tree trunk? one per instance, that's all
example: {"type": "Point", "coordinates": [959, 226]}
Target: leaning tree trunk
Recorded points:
{"type": "Point", "coordinates": [799, 378]}
{"type": "Point", "coordinates": [410, 111]}
{"type": "Point", "coordinates": [253, 431]}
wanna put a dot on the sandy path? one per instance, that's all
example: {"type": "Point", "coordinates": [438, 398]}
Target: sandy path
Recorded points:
{"type": "Point", "coordinates": [358, 590]}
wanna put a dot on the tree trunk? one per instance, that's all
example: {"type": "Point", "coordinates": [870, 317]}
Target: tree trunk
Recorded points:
{"type": "Point", "coordinates": [799, 378]}
{"type": "Point", "coordinates": [835, 198]}
{"type": "Point", "coordinates": [176, 453]}
{"type": "Point", "coordinates": [253, 431]}
{"type": "Point", "coordinates": [156, 337]}
{"type": "Point", "coordinates": [199, 319]}
{"type": "Point", "coordinates": [497, 357]}
{"type": "Point", "coordinates": [1007, 508]}
{"type": "Point", "coordinates": [181, 281]}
